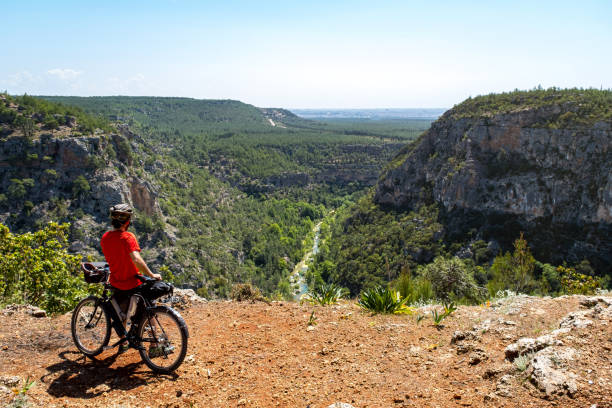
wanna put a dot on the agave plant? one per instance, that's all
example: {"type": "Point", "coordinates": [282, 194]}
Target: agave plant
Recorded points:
{"type": "Point", "coordinates": [326, 294]}
{"type": "Point", "coordinates": [437, 317]}
{"type": "Point", "coordinates": [449, 308]}
{"type": "Point", "coordinates": [383, 300]}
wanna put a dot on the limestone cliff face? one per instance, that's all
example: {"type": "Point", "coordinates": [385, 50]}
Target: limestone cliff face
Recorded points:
{"type": "Point", "coordinates": [505, 173]}
{"type": "Point", "coordinates": [42, 180]}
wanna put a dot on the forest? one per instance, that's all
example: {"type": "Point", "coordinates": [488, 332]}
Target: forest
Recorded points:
{"type": "Point", "coordinates": [238, 196]}
{"type": "Point", "coordinates": [240, 189]}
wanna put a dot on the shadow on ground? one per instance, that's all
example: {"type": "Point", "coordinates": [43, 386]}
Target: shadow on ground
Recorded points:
{"type": "Point", "coordinates": [77, 376]}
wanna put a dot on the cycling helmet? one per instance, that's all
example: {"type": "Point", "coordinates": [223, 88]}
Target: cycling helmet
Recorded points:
{"type": "Point", "coordinates": [121, 212]}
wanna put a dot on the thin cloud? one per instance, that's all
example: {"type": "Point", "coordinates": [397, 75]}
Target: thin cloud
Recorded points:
{"type": "Point", "coordinates": [65, 73]}
{"type": "Point", "coordinates": [20, 82]}
{"type": "Point", "coordinates": [134, 84]}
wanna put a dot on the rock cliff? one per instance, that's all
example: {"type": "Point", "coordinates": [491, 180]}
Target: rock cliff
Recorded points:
{"type": "Point", "coordinates": [540, 169]}
{"type": "Point", "coordinates": [77, 178]}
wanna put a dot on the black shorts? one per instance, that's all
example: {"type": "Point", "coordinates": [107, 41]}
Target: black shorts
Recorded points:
{"type": "Point", "coordinates": [123, 299]}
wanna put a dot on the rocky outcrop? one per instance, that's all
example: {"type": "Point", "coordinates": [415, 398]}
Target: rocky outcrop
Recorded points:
{"type": "Point", "coordinates": [548, 362]}
{"type": "Point", "coordinates": [549, 372]}
{"type": "Point", "coordinates": [52, 178]}
{"type": "Point", "coordinates": [144, 196]}
{"type": "Point", "coordinates": [510, 172]}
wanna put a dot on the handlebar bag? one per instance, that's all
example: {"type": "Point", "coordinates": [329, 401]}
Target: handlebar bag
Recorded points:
{"type": "Point", "coordinates": [157, 289]}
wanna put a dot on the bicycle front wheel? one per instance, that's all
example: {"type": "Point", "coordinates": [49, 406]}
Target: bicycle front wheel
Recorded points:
{"type": "Point", "coordinates": [90, 326]}
{"type": "Point", "coordinates": [163, 339]}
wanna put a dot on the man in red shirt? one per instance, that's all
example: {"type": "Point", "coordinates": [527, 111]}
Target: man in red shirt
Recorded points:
{"type": "Point", "coordinates": [122, 254]}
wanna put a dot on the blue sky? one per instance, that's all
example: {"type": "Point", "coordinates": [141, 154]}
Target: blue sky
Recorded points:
{"type": "Point", "coordinates": [305, 54]}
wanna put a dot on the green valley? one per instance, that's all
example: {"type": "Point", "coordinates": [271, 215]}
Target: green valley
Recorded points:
{"type": "Point", "coordinates": [225, 192]}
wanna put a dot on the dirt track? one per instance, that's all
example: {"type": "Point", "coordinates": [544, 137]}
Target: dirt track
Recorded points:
{"type": "Point", "coordinates": [260, 355]}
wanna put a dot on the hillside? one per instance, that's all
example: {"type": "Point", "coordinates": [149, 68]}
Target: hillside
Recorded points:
{"type": "Point", "coordinates": [168, 113]}
{"type": "Point", "coordinates": [533, 162]}
{"type": "Point", "coordinates": [260, 150]}
{"type": "Point", "coordinates": [263, 355]}
{"type": "Point", "coordinates": [538, 162]}
{"type": "Point", "coordinates": [222, 196]}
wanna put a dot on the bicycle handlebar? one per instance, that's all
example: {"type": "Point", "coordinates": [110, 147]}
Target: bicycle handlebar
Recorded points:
{"type": "Point", "coordinates": [145, 279]}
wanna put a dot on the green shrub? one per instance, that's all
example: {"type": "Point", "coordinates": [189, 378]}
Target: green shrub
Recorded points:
{"type": "Point", "coordinates": [246, 291]}
{"type": "Point", "coordinates": [144, 223]}
{"type": "Point", "coordinates": [326, 294]}
{"type": "Point", "coordinates": [414, 289]}
{"type": "Point", "coordinates": [50, 173]}
{"type": "Point", "coordinates": [80, 186]}
{"type": "Point", "coordinates": [573, 282]}
{"type": "Point", "coordinates": [36, 269]}
{"type": "Point", "coordinates": [405, 285]}
{"type": "Point", "coordinates": [451, 279]}
{"type": "Point", "coordinates": [28, 206]}
{"type": "Point", "coordinates": [514, 272]}
{"type": "Point", "coordinates": [221, 286]}
{"type": "Point", "coordinates": [550, 281]}
{"type": "Point", "coordinates": [50, 123]}
{"type": "Point", "coordinates": [383, 300]}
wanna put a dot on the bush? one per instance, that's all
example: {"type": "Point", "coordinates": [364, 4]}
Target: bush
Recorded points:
{"type": "Point", "coordinates": [415, 290]}
{"type": "Point", "coordinates": [326, 294]}
{"type": "Point", "coordinates": [574, 282]}
{"type": "Point", "coordinates": [36, 269]}
{"type": "Point", "coordinates": [246, 291]}
{"type": "Point", "coordinates": [514, 272]}
{"type": "Point", "coordinates": [202, 292]}
{"type": "Point", "coordinates": [80, 186]}
{"type": "Point", "coordinates": [383, 300]}
{"type": "Point", "coordinates": [450, 279]}
{"type": "Point", "coordinates": [16, 189]}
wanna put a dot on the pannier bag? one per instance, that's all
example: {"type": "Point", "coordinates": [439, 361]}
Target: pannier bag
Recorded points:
{"type": "Point", "coordinates": [157, 289]}
{"type": "Point", "coordinates": [93, 273]}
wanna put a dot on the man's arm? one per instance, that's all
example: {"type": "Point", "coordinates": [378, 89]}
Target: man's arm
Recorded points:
{"type": "Point", "coordinates": [142, 265]}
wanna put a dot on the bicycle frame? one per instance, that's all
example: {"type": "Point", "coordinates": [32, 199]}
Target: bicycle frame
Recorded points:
{"type": "Point", "coordinates": [109, 306]}
{"type": "Point", "coordinates": [147, 317]}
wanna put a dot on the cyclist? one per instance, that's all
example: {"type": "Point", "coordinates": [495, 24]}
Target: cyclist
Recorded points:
{"type": "Point", "coordinates": [122, 254]}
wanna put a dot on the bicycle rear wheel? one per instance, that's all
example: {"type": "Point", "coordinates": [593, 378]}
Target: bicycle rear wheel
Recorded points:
{"type": "Point", "coordinates": [90, 326]}
{"type": "Point", "coordinates": [163, 339]}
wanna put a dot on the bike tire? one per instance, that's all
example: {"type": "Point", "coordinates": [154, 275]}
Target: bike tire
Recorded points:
{"type": "Point", "coordinates": [90, 341]}
{"type": "Point", "coordinates": [172, 336]}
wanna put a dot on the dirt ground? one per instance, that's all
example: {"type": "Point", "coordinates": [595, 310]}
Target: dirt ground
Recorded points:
{"type": "Point", "coordinates": [264, 355]}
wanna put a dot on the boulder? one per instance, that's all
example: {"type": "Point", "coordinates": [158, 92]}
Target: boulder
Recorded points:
{"type": "Point", "coordinates": [548, 371]}
{"type": "Point", "coordinates": [9, 380]}
{"type": "Point", "coordinates": [504, 386]}
{"type": "Point", "coordinates": [528, 345]}
{"type": "Point", "coordinates": [576, 320]}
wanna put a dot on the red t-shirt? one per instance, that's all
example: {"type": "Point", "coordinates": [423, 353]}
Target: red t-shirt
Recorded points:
{"type": "Point", "coordinates": [117, 246]}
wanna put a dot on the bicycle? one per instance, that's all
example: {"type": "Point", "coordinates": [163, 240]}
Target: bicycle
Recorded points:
{"type": "Point", "coordinates": [160, 326]}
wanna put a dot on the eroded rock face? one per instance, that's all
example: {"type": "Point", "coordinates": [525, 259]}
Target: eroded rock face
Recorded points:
{"type": "Point", "coordinates": [51, 170]}
{"type": "Point", "coordinates": [144, 196]}
{"type": "Point", "coordinates": [528, 345]}
{"type": "Point", "coordinates": [509, 173]}
{"type": "Point", "coordinates": [549, 371]}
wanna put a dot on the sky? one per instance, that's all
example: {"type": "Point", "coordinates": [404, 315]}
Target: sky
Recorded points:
{"type": "Point", "coordinates": [304, 54]}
